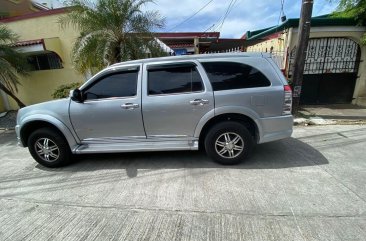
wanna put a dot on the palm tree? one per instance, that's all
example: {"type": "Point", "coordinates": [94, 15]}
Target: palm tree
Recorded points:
{"type": "Point", "coordinates": [12, 64]}
{"type": "Point", "coordinates": [112, 31]}
{"type": "Point", "coordinates": [353, 9]}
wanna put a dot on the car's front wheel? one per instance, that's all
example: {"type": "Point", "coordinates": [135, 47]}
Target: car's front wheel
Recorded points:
{"type": "Point", "coordinates": [49, 148]}
{"type": "Point", "coordinates": [228, 143]}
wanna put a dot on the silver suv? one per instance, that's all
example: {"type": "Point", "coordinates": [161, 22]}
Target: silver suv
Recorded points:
{"type": "Point", "coordinates": [224, 103]}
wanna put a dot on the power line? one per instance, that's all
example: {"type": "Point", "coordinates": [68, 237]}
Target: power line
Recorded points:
{"type": "Point", "coordinates": [223, 17]}
{"type": "Point", "coordinates": [209, 28]}
{"type": "Point", "coordinates": [282, 13]}
{"type": "Point", "coordinates": [191, 15]}
{"type": "Point", "coordinates": [227, 13]}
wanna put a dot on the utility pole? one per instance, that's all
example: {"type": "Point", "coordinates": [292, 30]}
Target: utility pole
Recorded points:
{"type": "Point", "coordinates": [301, 50]}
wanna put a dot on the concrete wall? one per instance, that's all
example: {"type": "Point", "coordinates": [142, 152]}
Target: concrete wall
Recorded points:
{"type": "Point", "coordinates": [39, 85]}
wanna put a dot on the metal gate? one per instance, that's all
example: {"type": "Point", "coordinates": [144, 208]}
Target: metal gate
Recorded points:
{"type": "Point", "coordinates": [330, 71]}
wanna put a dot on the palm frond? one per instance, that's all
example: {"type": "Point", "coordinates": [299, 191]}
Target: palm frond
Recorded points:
{"type": "Point", "coordinates": [7, 36]}
{"type": "Point", "coordinates": [12, 63]}
{"type": "Point", "coordinates": [8, 75]}
{"type": "Point", "coordinates": [113, 30]}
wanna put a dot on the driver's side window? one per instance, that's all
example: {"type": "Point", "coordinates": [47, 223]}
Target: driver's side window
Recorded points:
{"type": "Point", "coordinates": [119, 84]}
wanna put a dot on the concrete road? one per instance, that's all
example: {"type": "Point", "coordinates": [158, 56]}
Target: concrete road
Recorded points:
{"type": "Point", "coordinates": [310, 187]}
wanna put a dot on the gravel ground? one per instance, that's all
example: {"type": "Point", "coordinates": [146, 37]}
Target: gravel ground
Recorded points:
{"type": "Point", "coordinates": [9, 120]}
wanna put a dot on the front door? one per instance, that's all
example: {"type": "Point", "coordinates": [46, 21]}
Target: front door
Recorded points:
{"type": "Point", "coordinates": [175, 98]}
{"type": "Point", "coordinates": [112, 107]}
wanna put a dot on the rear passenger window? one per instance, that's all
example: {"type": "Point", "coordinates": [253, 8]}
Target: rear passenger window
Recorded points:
{"type": "Point", "coordinates": [173, 79]}
{"type": "Point", "coordinates": [231, 75]}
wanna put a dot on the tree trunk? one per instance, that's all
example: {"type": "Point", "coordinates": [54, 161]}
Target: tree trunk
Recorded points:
{"type": "Point", "coordinates": [8, 92]}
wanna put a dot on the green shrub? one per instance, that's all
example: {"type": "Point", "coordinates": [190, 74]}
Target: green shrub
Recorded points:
{"type": "Point", "coordinates": [63, 90]}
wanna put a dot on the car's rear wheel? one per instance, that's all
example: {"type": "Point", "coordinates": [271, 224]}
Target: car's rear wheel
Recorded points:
{"type": "Point", "coordinates": [229, 143]}
{"type": "Point", "coordinates": [49, 148]}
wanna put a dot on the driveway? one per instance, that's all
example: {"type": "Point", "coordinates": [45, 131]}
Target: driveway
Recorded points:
{"type": "Point", "coordinates": [309, 187]}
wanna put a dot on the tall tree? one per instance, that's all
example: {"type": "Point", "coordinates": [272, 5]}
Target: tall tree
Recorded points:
{"type": "Point", "coordinates": [112, 31]}
{"type": "Point", "coordinates": [12, 64]}
{"type": "Point", "coordinates": [353, 9]}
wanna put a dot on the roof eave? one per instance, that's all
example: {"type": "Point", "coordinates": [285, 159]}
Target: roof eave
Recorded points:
{"type": "Point", "coordinates": [315, 22]}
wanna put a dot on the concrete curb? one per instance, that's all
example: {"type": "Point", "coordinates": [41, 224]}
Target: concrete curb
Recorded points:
{"type": "Point", "coordinates": [317, 120]}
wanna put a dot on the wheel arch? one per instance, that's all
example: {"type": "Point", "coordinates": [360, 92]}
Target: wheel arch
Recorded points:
{"type": "Point", "coordinates": [30, 125]}
{"type": "Point", "coordinates": [247, 120]}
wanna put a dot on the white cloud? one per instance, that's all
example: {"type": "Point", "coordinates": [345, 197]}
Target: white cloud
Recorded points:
{"type": "Point", "coordinates": [235, 28]}
{"type": "Point", "coordinates": [245, 15]}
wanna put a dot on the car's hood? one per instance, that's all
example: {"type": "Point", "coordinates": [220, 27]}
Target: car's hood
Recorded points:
{"type": "Point", "coordinates": [56, 108]}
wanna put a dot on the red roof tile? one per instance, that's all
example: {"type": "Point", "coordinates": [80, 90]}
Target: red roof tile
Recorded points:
{"type": "Point", "coordinates": [180, 45]}
{"type": "Point", "coordinates": [28, 43]}
{"type": "Point", "coordinates": [189, 35]}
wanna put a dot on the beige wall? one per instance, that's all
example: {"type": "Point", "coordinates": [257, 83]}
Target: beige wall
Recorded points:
{"type": "Point", "coordinates": [39, 85]}
{"type": "Point", "coordinates": [360, 89]}
{"type": "Point", "coordinates": [2, 107]}
{"type": "Point", "coordinates": [277, 43]}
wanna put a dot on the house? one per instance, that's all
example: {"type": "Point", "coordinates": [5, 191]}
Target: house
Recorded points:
{"type": "Point", "coordinates": [12, 8]}
{"type": "Point", "coordinates": [48, 48]}
{"type": "Point", "coordinates": [335, 70]}
{"type": "Point", "coordinates": [183, 43]}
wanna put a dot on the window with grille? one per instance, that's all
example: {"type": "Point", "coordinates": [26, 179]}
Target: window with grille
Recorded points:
{"type": "Point", "coordinates": [45, 61]}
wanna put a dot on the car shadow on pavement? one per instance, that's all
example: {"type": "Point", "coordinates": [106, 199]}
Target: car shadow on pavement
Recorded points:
{"type": "Point", "coordinates": [285, 153]}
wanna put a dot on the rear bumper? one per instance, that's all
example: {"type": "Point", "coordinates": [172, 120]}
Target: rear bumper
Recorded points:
{"type": "Point", "coordinates": [275, 128]}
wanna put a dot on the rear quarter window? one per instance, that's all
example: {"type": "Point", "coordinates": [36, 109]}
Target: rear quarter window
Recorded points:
{"type": "Point", "coordinates": [232, 75]}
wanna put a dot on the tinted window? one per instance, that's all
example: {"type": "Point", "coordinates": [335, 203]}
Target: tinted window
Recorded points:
{"type": "Point", "coordinates": [229, 75]}
{"type": "Point", "coordinates": [178, 79]}
{"type": "Point", "coordinates": [122, 84]}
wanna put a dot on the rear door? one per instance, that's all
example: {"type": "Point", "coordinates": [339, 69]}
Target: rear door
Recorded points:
{"type": "Point", "coordinates": [175, 98]}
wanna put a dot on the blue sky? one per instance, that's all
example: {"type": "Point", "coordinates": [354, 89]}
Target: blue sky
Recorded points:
{"type": "Point", "coordinates": [245, 14]}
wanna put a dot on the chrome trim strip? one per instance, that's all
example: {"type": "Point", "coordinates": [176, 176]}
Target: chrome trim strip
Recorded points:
{"type": "Point", "coordinates": [136, 147]}
{"type": "Point", "coordinates": [167, 136]}
{"type": "Point", "coordinates": [139, 139]}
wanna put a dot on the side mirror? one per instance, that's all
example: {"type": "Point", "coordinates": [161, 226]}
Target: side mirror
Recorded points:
{"type": "Point", "coordinates": [76, 95]}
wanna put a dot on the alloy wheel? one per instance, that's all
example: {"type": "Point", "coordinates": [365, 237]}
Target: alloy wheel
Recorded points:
{"type": "Point", "coordinates": [229, 145]}
{"type": "Point", "coordinates": [47, 150]}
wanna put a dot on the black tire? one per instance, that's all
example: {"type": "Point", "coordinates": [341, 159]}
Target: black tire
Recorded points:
{"type": "Point", "coordinates": [49, 148]}
{"type": "Point", "coordinates": [230, 151]}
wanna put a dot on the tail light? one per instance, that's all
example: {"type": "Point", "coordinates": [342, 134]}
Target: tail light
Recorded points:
{"type": "Point", "coordinates": [287, 105]}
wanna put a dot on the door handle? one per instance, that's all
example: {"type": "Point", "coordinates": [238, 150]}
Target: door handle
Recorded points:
{"type": "Point", "coordinates": [130, 106]}
{"type": "Point", "coordinates": [199, 102]}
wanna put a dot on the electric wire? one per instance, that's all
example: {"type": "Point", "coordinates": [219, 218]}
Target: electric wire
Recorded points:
{"type": "Point", "coordinates": [282, 13]}
{"type": "Point", "coordinates": [190, 17]}
{"type": "Point", "coordinates": [230, 7]}
{"type": "Point", "coordinates": [220, 22]}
